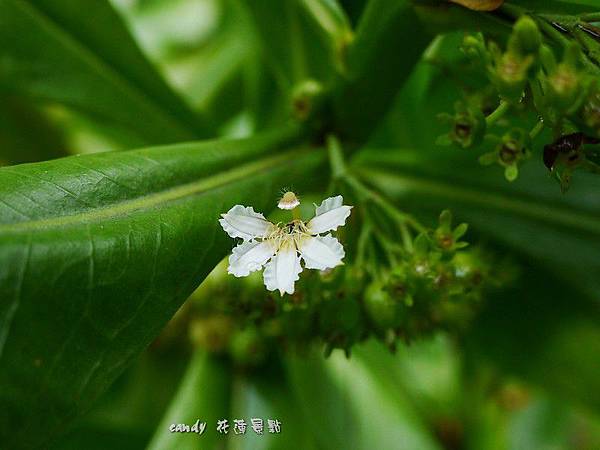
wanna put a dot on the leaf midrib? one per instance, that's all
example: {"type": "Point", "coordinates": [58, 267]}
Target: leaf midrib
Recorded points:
{"type": "Point", "coordinates": [568, 217]}
{"type": "Point", "coordinates": [163, 197]}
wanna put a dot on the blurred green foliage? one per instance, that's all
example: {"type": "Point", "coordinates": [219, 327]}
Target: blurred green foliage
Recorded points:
{"type": "Point", "coordinates": [97, 252]}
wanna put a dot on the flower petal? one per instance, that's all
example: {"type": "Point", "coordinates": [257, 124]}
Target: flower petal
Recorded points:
{"type": "Point", "coordinates": [330, 215]}
{"type": "Point", "coordinates": [244, 222]}
{"type": "Point", "coordinates": [249, 257]}
{"type": "Point", "coordinates": [321, 252]}
{"type": "Point", "coordinates": [283, 270]}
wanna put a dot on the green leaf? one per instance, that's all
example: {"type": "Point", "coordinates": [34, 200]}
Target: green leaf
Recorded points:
{"type": "Point", "coordinates": [556, 6]}
{"type": "Point", "coordinates": [350, 383]}
{"type": "Point", "coordinates": [425, 375]}
{"type": "Point", "coordinates": [460, 230]}
{"type": "Point", "coordinates": [353, 8]}
{"type": "Point", "coordinates": [26, 134]}
{"type": "Point", "coordinates": [489, 158]}
{"type": "Point", "coordinates": [203, 395]}
{"type": "Point", "coordinates": [126, 416]}
{"type": "Point", "coordinates": [540, 322]}
{"type": "Point", "coordinates": [267, 394]}
{"type": "Point", "coordinates": [293, 41]}
{"type": "Point", "coordinates": [84, 58]}
{"type": "Point", "coordinates": [378, 63]}
{"type": "Point", "coordinates": [216, 84]}
{"type": "Point", "coordinates": [98, 251]}
{"type": "Point", "coordinates": [331, 18]}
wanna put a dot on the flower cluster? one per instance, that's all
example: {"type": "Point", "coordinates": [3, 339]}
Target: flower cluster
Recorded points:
{"type": "Point", "coordinates": [396, 284]}
{"type": "Point", "coordinates": [527, 78]}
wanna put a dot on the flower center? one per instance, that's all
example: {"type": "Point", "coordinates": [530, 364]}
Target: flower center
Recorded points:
{"type": "Point", "coordinates": [290, 233]}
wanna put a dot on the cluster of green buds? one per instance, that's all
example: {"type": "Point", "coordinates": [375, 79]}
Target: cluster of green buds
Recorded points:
{"type": "Point", "coordinates": [437, 284]}
{"type": "Point", "coordinates": [398, 283]}
{"type": "Point", "coordinates": [561, 93]}
{"type": "Point", "coordinates": [511, 70]}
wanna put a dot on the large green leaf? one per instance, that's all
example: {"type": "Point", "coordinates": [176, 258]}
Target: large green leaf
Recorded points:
{"type": "Point", "coordinates": [98, 251]}
{"type": "Point", "coordinates": [204, 395]}
{"type": "Point", "coordinates": [338, 398]}
{"type": "Point", "coordinates": [267, 394]}
{"type": "Point", "coordinates": [125, 417]}
{"type": "Point", "coordinates": [83, 57]}
{"type": "Point", "coordinates": [294, 43]}
{"type": "Point", "coordinates": [389, 41]}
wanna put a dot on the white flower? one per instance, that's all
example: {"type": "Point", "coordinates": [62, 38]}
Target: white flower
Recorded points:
{"type": "Point", "coordinates": [280, 249]}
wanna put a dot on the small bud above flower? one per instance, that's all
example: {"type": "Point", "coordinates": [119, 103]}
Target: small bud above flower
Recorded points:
{"type": "Point", "coordinates": [288, 201]}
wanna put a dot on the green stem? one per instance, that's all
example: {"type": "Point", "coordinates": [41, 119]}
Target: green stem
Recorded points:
{"type": "Point", "coordinates": [363, 239]}
{"type": "Point", "coordinates": [553, 33]}
{"type": "Point", "coordinates": [497, 113]}
{"type": "Point", "coordinates": [336, 157]}
{"type": "Point", "coordinates": [590, 17]}
{"type": "Point", "coordinates": [538, 100]}
{"type": "Point", "coordinates": [387, 249]}
{"type": "Point", "coordinates": [396, 181]}
{"type": "Point", "coordinates": [368, 194]}
{"type": "Point", "coordinates": [513, 11]}
{"type": "Point", "coordinates": [536, 130]}
{"type": "Point", "coordinates": [406, 237]}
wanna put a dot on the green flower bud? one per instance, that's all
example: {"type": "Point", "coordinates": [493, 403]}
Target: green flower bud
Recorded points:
{"type": "Point", "coordinates": [247, 347]}
{"type": "Point", "coordinates": [468, 126]}
{"type": "Point", "coordinates": [512, 149]}
{"type": "Point", "coordinates": [446, 238]}
{"type": "Point", "coordinates": [590, 112]}
{"type": "Point", "coordinates": [468, 269]}
{"type": "Point", "coordinates": [474, 47]}
{"type": "Point", "coordinates": [526, 37]}
{"type": "Point", "coordinates": [307, 97]}
{"type": "Point", "coordinates": [212, 333]}
{"type": "Point", "coordinates": [399, 287]}
{"type": "Point", "coordinates": [380, 306]}
{"type": "Point", "coordinates": [564, 88]}
{"type": "Point", "coordinates": [510, 75]}
{"type": "Point", "coordinates": [567, 83]}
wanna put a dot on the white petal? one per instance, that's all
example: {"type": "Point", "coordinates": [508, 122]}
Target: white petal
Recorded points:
{"type": "Point", "coordinates": [329, 203]}
{"type": "Point", "coordinates": [249, 257]}
{"type": "Point", "coordinates": [330, 215]}
{"type": "Point", "coordinates": [321, 252]}
{"type": "Point", "coordinates": [244, 222]}
{"type": "Point", "coordinates": [283, 270]}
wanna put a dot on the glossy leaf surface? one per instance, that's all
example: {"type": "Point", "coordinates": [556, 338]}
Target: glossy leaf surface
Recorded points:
{"type": "Point", "coordinates": [97, 252]}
